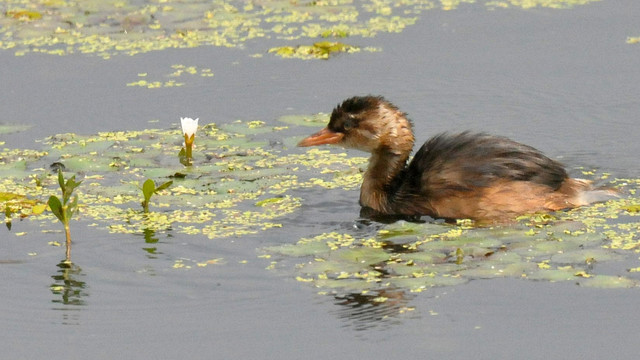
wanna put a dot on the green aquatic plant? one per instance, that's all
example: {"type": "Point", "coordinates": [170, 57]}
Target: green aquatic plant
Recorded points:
{"type": "Point", "coordinates": [179, 71]}
{"type": "Point", "coordinates": [633, 39]}
{"type": "Point", "coordinates": [8, 129]}
{"type": "Point", "coordinates": [24, 15]}
{"type": "Point", "coordinates": [413, 257]}
{"type": "Point", "coordinates": [65, 208]}
{"type": "Point", "coordinates": [15, 204]}
{"type": "Point", "coordinates": [319, 50]}
{"type": "Point", "coordinates": [240, 184]}
{"type": "Point", "coordinates": [148, 189]}
{"type": "Point", "coordinates": [243, 184]}
{"type": "Point", "coordinates": [134, 27]}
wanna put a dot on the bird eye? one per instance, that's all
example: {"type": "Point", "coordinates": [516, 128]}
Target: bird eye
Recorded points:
{"type": "Point", "coordinates": [349, 123]}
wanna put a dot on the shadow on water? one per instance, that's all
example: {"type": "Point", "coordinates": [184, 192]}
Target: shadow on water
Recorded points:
{"type": "Point", "coordinates": [69, 292]}
{"type": "Point", "coordinates": [368, 215]}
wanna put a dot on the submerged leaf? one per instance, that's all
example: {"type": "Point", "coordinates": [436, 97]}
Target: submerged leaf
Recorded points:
{"type": "Point", "coordinates": [316, 120]}
{"type": "Point", "coordinates": [609, 282]}
{"type": "Point", "coordinates": [585, 256]}
{"type": "Point", "coordinates": [9, 129]}
{"type": "Point", "coordinates": [363, 255]}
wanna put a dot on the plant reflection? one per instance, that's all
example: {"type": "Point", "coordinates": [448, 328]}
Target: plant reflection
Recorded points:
{"type": "Point", "coordinates": [150, 238]}
{"type": "Point", "coordinates": [7, 217]}
{"type": "Point", "coordinates": [69, 290]}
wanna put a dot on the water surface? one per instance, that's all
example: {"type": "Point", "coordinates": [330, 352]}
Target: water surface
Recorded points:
{"type": "Point", "coordinates": [564, 81]}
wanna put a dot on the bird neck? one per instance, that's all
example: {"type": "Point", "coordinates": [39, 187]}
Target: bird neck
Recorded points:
{"type": "Point", "coordinates": [385, 166]}
{"type": "Point", "coordinates": [388, 160]}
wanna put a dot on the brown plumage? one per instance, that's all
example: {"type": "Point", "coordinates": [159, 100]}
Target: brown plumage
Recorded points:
{"type": "Point", "coordinates": [466, 175]}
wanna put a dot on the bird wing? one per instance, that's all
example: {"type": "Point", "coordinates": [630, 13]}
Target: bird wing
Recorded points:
{"type": "Point", "coordinates": [467, 161]}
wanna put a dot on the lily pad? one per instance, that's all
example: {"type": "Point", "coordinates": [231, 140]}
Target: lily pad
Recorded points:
{"type": "Point", "coordinates": [363, 255]}
{"type": "Point", "coordinates": [310, 248]}
{"type": "Point", "coordinates": [553, 275]}
{"type": "Point", "coordinates": [609, 282]}
{"type": "Point", "coordinates": [425, 257]}
{"type": "Point", "coordinates": [320, 269]}
{"type": "Point", "coordinates": [316, 120]}
{"type": "Point", "coordinates": [423, 282]}
{"type": "Point", "coordinates": [343, 285]}
{"type": "Point", "coordinates": [10, 129]}
{"type": "Point", "coordinates": [12, 169]}
{"type": "Point", "coordinates": [587, 256]}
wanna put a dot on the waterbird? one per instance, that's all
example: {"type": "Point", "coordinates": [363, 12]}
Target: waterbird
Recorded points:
{"type": "Point", "coordinates": [465, 175]}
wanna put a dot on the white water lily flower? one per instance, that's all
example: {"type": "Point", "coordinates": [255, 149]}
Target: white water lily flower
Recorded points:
{"type": "Point", "coordinates": [189, 126]}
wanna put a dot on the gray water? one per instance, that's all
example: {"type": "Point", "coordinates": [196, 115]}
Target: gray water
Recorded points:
{"type": "Point", "coordinates": [563, 81]}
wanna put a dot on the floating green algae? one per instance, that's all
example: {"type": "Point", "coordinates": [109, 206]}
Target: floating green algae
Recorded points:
{"type": "Point", "coordinates": [320, 50]}
{"type": "Point", "coordinates": [113, 27]}
{"type": "Point", "coordinates": [633, 39]}
{"type": "Point", "coordinates": [528, 4]}
{"type": "Point", "coordinates": [412, 257]}
{"type": "Point", "coordinates": [316, 120]}
{"type": "Point", "coordinates": [8, 129]}
{"type": "Point", "coordinates": [179, 72]}
{"type": "Point", "coordinates": [240, 184]}
{"type": "Point", "coordinates": [237, 185]}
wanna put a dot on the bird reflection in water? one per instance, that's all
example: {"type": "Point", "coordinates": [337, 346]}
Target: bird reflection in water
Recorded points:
{"type": "Point", "coordinates": [375, 308]}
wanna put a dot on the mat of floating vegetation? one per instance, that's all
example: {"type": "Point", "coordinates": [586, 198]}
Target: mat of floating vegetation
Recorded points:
{"type": "Point", "coordinates": [566, 246]}
{"type": "Point", "coordinates": [240, 184]}
{"type": "Point", "coordinates": [237, 185]}
{"type": "Point", "coordinates": [112, 27]}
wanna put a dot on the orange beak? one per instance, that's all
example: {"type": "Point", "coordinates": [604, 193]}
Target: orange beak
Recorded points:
{"type": "Point", "coordinates": [324, 136]}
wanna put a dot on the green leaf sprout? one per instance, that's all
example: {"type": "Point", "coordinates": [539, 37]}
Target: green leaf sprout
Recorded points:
{"type": "Point", "coordinates": [65, 208]}
{"type": "Point", "coordinates": [148, 189]}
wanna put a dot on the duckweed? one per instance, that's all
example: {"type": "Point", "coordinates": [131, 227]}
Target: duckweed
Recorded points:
{"type": "Point", "coordinates": [116, 27]}
{"type": "Point", "coordinates": [169, 80]}
{"type": "Point", "coordinates": [237, 185]}
{"type": "Point", "coordinates": [241, 185]}
{"type": "Point", "coordinates": [564, 246]}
